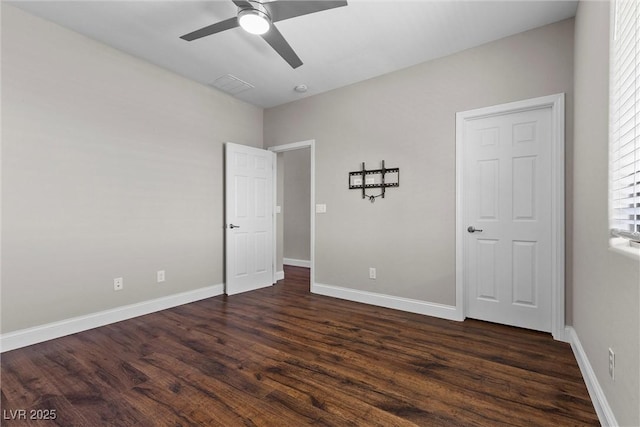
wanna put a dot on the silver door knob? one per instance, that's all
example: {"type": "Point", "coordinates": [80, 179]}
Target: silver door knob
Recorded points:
{"type": "Point", "coordinates": [233, 226]}
{"type": "Point", "coordinates": [472, 229]}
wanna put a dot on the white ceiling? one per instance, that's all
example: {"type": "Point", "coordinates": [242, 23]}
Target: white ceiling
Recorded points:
{"type": "Point", "coordinates": [341, 46]}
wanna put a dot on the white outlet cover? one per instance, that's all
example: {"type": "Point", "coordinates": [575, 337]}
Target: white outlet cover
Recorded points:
{"type": "Point", "coordinates": [278, 209]}
{"type": "Point", "coordinates": [321, 208]}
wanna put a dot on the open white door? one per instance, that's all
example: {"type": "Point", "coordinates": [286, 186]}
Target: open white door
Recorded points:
{"type": "Point", "coordinates": [249, 218]}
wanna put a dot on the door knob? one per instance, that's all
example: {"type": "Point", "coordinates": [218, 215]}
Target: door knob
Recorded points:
{"type": "Point", "coordinates": [472, 229]}
{"type": "Point", "coordinates": [233, 226]}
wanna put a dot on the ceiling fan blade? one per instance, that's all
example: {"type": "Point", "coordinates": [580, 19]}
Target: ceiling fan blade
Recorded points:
{"type": "Point", "coordinates": [285, 9]}
{"type": "Point", "coordinates": [280, 45]}
{"type": "Point", "coordinates": [212, 29]}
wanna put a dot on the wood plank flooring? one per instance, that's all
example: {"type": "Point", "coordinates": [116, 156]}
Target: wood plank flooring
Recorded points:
{"type": "Point", "coordinates": [284, 357]}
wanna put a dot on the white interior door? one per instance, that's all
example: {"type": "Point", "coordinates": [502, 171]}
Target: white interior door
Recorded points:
{"type": "Point", "coordinates": [249, 218]}
{"type": "Point", "coordinates": [508, 218]}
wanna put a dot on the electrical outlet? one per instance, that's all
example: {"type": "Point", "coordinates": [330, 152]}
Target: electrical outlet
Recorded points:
{"type": "Point", "coordinates": [118, 284]}
{"type": "Point", "coordinates": [612, 364]}
{"type": "Point", "coordinates": [372, 273]}
{"type": "Point", "coordinates": [160, 276]}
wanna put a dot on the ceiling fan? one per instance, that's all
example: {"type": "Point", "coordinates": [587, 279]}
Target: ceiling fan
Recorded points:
{"type": "Point", "coordinates": [257, 17]}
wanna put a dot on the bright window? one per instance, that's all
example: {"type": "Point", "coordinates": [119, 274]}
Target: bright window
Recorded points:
{"type": "Point", "coordinates": [625, 121]}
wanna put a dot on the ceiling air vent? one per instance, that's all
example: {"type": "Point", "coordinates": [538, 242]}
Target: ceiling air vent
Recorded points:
{"type": "Point", "coordinates": [231, 84]}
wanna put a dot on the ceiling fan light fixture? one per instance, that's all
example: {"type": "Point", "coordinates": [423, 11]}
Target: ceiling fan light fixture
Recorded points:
{"type": "Point", "coordinates": [254, 21]}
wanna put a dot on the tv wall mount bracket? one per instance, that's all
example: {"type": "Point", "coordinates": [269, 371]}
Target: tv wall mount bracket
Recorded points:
{"type": "Point", "coordinates": [382, 178]}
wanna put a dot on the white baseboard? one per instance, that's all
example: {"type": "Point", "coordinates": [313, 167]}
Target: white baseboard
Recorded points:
{"type": "Point", "coordinates": [442, 311]}
{"type": "Point", "coordinates": [600, 403]}
{"type": "Point", "coordinates": [49, 331]}
{"type": "Point", "coordinates": [279, 275]}
{"type": "Point", "coordinates": [297, 262]}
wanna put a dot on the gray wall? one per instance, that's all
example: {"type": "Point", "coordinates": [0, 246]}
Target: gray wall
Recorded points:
{"type": "Point", "coordinates": [606, 284]}
{"type": "Point", "coordinates": [111, 167]}
{"type": "Point", "coordinates": [297, 181]}
{"type": "Point", "coordinates": [407, 118]}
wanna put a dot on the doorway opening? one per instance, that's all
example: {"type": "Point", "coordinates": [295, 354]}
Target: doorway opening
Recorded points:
{"type": "Point", "coordinates": [294, 198]}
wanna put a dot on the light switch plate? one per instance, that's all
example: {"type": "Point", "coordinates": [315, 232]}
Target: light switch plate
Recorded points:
{"type": "Point", "coordinates": [322, 208]}
{"type": "Point", "coordinates": [278, 209]}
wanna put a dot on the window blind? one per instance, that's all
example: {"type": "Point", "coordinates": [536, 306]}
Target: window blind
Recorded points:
{"type": "Point", "coordinates": [625, 121]}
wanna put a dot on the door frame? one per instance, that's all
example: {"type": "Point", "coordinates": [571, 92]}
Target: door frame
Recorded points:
{"type": "Point", "coordinates": [311, 144]}
{"type": "Point", "coordinates": [556, 103]}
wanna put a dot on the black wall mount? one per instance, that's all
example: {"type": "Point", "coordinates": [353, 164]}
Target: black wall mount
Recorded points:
{"type": "Point", "coordinates": [374, 178]}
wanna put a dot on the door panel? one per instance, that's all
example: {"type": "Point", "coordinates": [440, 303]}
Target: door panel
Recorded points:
{"type": "Point", "coordinates": [524, 273]}
{"type": "Point", "coordinates": [486, 269]}
{"type": "Point", "coordinates": [489, 186]}
{"type": "Point", "coordinates": [249, 208]}
{"type": "Point", "coordinates": [524, 186]}
{"type": "Point", "coordinates": [507, 177]}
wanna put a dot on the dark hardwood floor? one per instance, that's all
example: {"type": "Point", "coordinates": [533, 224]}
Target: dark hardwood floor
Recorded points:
{"type": "Point", "coordinates": [284, 357]}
